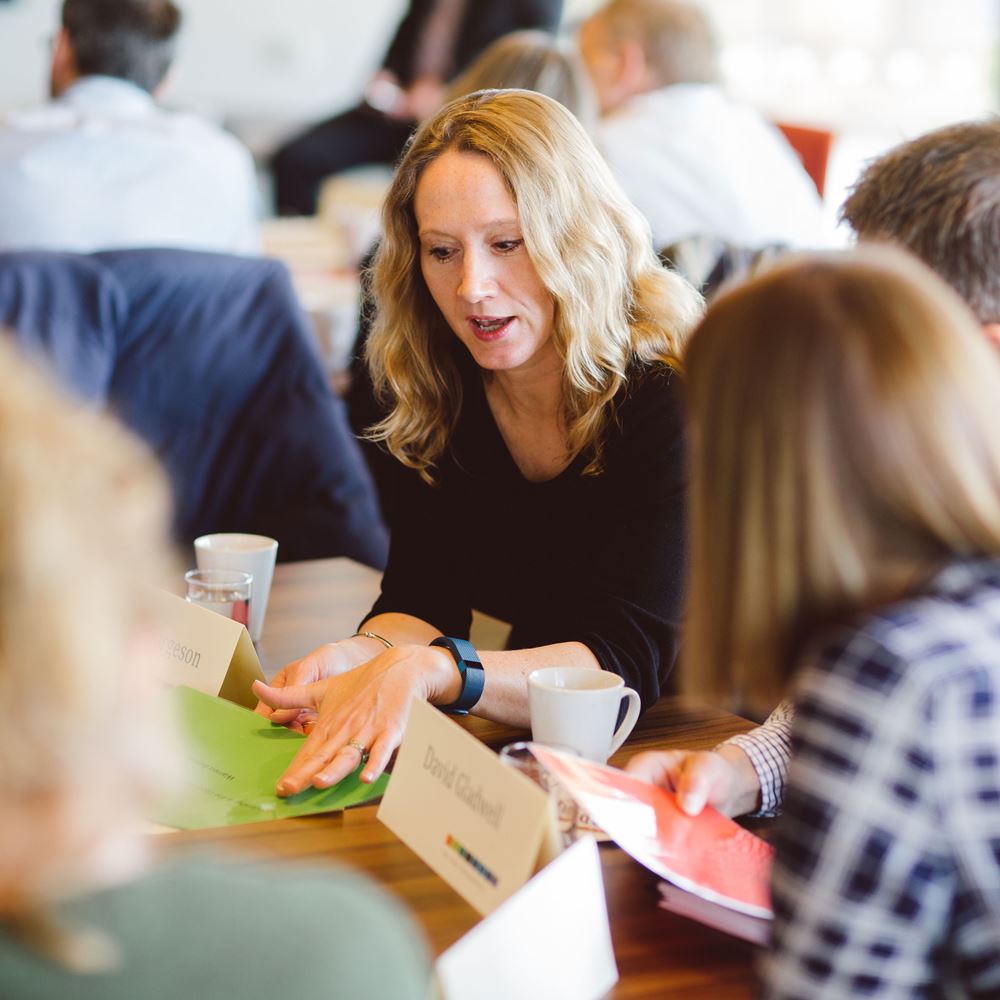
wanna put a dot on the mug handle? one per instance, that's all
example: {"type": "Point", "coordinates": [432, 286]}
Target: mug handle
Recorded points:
{"type": "Point", "coordinates": [628, 723]}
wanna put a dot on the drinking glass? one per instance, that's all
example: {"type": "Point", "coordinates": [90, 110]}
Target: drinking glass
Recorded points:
{"type": "Point", "coordinates": [253, 554]}
{"type": "Point", "coordinates": [224, 591]}
{"type": "Point", "coordinates": [563, 811]}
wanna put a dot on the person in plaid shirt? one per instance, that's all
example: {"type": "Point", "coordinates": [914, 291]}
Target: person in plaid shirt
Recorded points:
{"type": "Point", "coordinates": [937, 196]}
{"type": "Point", "coordinates": [846, 549]}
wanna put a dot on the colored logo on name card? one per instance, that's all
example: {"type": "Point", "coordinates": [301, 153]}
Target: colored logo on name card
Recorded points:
{"type": "Point", "coordinates": [471, 860]}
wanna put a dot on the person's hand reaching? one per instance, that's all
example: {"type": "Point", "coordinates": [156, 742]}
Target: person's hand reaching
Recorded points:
{"type": "Point", "coordinates": [722, 778]}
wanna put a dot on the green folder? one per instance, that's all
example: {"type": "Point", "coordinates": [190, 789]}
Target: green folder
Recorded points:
{"type": "Point", "coordinates": [234, 758]}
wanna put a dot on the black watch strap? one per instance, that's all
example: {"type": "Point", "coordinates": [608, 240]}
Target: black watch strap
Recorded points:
{"type": "Point", "coordinates": [470, 667]}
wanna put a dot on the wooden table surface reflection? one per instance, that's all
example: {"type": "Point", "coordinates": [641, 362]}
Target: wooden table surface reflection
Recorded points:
{"type": "Point", "coordinates": [658, 954]}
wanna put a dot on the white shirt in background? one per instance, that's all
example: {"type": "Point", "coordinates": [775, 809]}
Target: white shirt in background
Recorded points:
{"type": "Point", "coordinates": [103, 167]}
{"type": "Point", "coordinates": [696, 163]}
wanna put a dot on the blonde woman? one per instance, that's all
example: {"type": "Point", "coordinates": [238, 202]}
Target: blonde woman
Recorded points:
{"type": "Point", "coordinates": [526, 342]}
{"type": "Point", "coordinates": [525, 60]}
{"type": "Point", "coordinates": [83, 914]}
{"type": "Point", "coordinates": [846, 550]}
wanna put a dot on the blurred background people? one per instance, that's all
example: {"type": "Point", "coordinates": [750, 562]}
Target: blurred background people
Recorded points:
{"type": "Point", "coordinates": [103, 166]}
{"type": "Point", "coordinates": [83, 913]}
{"type": "Point", "coordinates": [937, 196]}
{"type": "Point", "coordinates": [696, 163]}
{"type": "Point", "coordinates": [846, 551]}
{"type": "Point", "coordinates": [435, 41]}
{"type": "Point", "coordinates": [531, 60]}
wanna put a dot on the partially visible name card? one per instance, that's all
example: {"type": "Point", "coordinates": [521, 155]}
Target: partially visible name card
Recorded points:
{"type": "Point", "coordinates": [556, 929]}
{"type": "Point", "coordinates": [475, 821]}
{"type": "Point", "coordinates": [207, 651]}
{"type": "Point", "coordinates": [234, 758]}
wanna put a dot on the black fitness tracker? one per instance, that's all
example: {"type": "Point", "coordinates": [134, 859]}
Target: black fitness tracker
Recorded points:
{"type": "Point", "coordinates": [470, 667]}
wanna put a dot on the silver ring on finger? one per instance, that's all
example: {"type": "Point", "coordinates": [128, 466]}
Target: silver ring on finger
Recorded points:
{"type": "Point", "coordinates": [361, 748]}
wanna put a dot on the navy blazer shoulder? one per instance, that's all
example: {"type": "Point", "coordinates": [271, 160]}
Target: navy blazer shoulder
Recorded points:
{"type": "Point", "coordinates": [208, 358]}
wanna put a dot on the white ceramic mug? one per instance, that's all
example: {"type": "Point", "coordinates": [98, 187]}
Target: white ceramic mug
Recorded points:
{"type": "Point", "coordinates": [577, 707]}
{"type": "Point", "coordinates": [254, 554]}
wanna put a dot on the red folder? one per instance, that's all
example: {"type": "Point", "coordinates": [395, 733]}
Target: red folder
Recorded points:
{"type": "Point", "coordinates": [707, 855]}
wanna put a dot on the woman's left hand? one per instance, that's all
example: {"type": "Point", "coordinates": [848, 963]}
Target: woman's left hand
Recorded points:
{"type": "Point", "coordinates": [368, 705]}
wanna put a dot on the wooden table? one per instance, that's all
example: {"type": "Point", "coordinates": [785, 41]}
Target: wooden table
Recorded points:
{"type": "Point", "coordinates": [658, 953]}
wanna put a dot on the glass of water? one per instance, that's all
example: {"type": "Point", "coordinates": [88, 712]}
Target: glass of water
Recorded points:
{"type": "Point", "coordinates": [225, 591]}
{"type": "Point", "coordinates": [561, 828]}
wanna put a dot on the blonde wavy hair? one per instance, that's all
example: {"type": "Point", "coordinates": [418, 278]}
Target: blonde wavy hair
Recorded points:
{"type": "Point", "coordinates": [615, 304]}
{"type": "Point", "coordinates": [83, 530]}
{"type": "Point", "coordinates": [846, 444]}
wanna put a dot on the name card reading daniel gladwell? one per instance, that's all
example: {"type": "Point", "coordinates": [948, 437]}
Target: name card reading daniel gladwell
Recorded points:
{"type": "Point", "coordinates": [475, 821]}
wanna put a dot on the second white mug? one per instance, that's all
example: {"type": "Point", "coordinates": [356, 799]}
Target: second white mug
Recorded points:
{"type": "Point", "coordinates": [578, 707]}
{"type": "Point", "coordinates": [254, 554]}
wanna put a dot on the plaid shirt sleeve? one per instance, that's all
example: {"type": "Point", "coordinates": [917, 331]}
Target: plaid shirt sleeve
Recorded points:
{"type": "Point", "coordinates": [769, 748]}
{"type": "Point", "coordinates": [887, 867]}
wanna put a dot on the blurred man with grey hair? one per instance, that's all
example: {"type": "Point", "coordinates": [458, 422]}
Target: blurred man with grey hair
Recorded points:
{"type": "Point", "coordinates": [938, 196]}
{"type": "Point", "coordinates": [694, 162]}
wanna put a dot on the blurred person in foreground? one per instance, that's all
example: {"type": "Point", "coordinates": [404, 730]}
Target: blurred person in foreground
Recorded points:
{"type": "Point", "coordinates": [937, 196]}
{"type": "Point", "coordinates": [692, 160]}
{"type": "Point", "coordinates": [83, 912]}
{"type": "Point", "coordinates": [103, 165]}
{"type": "Point", "coordinates": [526, 345]}
{"type": "Point", "coordinates": [846, 553]}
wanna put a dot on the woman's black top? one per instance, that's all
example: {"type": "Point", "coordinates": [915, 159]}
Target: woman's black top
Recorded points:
{"type": "Point", "coordinates": [592, 559]}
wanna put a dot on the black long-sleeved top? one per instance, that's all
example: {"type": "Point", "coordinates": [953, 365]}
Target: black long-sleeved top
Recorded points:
{"type": "Point", "coordinates": [593, 559]}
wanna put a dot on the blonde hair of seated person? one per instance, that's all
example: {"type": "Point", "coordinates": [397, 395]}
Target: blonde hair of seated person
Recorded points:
{"type": "Point", "coordinates": [83, 529]}
{"type": "Point", "coordinates": [532, 60]}
{"type": "Point", "coordinates": [846, 444]}
{"type": "Point", "coordinates": [614, 302]}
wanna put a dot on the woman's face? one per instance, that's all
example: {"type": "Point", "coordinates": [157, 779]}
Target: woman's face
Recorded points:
{"type": "Point", "coordinates": [476, 267]}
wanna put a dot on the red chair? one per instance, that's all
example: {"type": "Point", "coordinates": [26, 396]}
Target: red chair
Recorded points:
{"type": "Point", "coordinates": [813, 146]}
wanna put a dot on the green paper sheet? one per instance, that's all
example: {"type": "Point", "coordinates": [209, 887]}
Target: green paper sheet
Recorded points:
{"type": "Point", "coordinates": [234, 759]}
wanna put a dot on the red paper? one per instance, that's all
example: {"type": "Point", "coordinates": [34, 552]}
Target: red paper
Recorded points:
{"type": "Point", "coordinates": [708, 855]}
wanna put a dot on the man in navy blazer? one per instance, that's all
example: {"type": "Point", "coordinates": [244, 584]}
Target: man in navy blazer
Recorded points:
{"type": "Point", "coordinates": [208, 358]}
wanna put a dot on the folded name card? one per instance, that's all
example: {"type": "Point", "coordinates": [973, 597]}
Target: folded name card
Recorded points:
{"type": "Point", "coordinates": [556, 926]}
{"type": "Point", "coordinates": [206, 651]}
{"type": "Point", "coordinates": [475, 821]}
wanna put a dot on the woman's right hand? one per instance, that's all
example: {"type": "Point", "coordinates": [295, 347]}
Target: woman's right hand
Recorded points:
{"type": "Point", "coordinates": [361, 714]}
{"type": "Point", "coordinates": [722, 778]}
{"type": "Point", "coordinates": [328, 660]}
